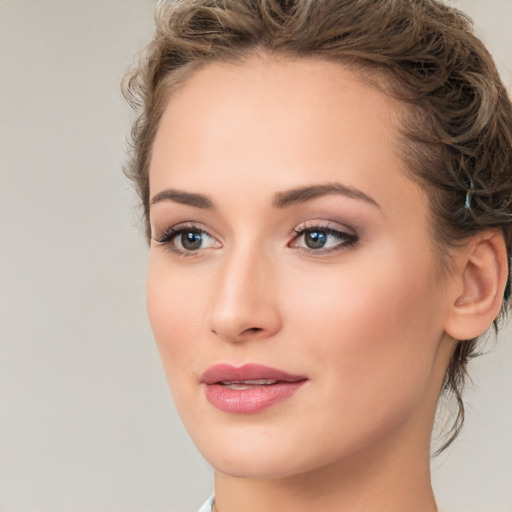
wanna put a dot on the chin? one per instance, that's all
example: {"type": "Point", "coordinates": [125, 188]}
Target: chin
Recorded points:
{"type": "Point", "coordinates": [252, 456]}
{"type": "Point", "coordinates": [266, 455]}
{"type": "Point", "coordinates": [250, 466]}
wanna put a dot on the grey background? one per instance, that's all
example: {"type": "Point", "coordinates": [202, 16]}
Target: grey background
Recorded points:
{"type": "Point", "coordinates": [86, 420]}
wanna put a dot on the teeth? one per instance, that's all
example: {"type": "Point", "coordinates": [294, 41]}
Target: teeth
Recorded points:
{"type": "Point", "coordinates": [247, 384]}
{"type": "Point", "coordinates": [251, 382]}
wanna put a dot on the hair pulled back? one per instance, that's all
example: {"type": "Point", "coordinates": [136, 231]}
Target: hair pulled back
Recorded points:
{"type": "Point", "coordinates": [457, 133]}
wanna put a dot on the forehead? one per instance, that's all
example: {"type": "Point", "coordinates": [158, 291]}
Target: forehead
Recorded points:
{"type": "Point", "coordinates": [290, 93]}
{"type": "Point", "coordinates": [280, 122]}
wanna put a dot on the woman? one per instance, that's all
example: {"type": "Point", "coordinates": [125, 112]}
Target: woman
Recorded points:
{"type": "Point", "coordinates": [327, 187]}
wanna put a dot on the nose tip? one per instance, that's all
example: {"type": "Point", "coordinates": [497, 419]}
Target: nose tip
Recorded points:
{"type": "Point", "coordinates": [244, 323]}
{"type": "Point", "coordinates": [232, 335]}
{"type": "Point", "coordinates": [245, 306]}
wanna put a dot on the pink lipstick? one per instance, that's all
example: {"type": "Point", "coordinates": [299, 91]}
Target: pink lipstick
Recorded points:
{"type": "Point", "coordinates": [249, 388]}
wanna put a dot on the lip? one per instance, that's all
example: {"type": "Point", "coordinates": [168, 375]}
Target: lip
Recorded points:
{"type": "Point", "coordinates": [254, 399]}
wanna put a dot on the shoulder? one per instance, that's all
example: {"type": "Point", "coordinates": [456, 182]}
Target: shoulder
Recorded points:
{"type": "Point", "coordinates": [207, 505]}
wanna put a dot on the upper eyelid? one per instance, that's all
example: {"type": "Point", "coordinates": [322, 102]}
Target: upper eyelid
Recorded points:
{"type": "Point", "coordinates": [168, 237]}
{"type": "Point", "coordinates": [183, 226]}
{"type": "Point", "coordinates": [346, 235]}
{"type": "Point", "coordinates": [330, 231]}
{"type": "Point", "coordinates": [324, 224]}
{"type": "Point", "coordinates": [329, 225]}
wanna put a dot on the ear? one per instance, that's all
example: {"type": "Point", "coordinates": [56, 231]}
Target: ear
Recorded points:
{"type": "Point", "coordinates": [480, 280]}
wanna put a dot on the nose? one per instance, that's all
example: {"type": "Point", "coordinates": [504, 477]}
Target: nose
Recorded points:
{"type": "Point", "coordinates": [245, 304]}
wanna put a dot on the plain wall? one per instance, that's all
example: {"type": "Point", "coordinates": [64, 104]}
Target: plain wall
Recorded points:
{"type": "Point", "coordinates": [86, 421]}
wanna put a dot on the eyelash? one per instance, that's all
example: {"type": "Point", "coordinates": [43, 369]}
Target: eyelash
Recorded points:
{"type": "Point", "coordinates": [345, 240]}
{"type": "Point", "coordinates": [167, 239]}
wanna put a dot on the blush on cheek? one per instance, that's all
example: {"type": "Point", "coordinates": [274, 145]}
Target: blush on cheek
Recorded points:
{"type": "Point", "coordinates": [366, 321]}
{"type": "Point", "coordinates": [165, 313]}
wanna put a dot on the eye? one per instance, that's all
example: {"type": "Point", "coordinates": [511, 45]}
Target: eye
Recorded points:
{"type": "Point", "coordinates": [187, 240]}
{"type": "Point", "coordinates": [322, 239]}
{"type": "Point", "coordinates": [191, 240]}
{"type": "Point", "coordinates": [316, 239]}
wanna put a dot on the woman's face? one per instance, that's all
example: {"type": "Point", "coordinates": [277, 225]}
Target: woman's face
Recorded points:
{"type": "Point", "coordinates": [293, 288]}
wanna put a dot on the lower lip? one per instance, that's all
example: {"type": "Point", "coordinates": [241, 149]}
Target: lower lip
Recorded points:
{"type": "Point", "coordinates": [252, 400]}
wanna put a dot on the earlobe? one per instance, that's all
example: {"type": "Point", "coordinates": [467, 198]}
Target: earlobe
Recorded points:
{"type": "Point", "coordinates": [481, 279]}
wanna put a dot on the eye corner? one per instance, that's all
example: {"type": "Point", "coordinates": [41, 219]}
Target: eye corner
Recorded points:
{"type": "Point", "coordinates": [320, 238]}
{"type": "Point", "coordinates": [187, 240]}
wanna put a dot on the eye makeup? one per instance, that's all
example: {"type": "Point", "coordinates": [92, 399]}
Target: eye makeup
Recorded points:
{"type": "Point", "coordinates": [187, 239]}
{"type": "Point", "coordinates": [315, 237]}
{"type": "Point", "coordinates": [321, 238]}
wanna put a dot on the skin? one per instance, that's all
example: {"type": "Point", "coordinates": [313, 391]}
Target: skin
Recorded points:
{"type": "Point", "coordinates": [364, 319]}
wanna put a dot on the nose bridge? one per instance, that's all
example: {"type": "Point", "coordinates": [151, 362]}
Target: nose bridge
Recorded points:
{"type": "Point", "coordinates": [245, 304]}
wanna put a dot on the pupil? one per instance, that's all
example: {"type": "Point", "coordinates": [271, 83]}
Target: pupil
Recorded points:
{"type": "Point", "coordinates": [315, 239]}
{"type": "Point", "coordinates": [191, 240]}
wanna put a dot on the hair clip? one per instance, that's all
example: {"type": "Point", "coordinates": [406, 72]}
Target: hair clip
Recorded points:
{"type": "Point", "coordinates": [469, 194]}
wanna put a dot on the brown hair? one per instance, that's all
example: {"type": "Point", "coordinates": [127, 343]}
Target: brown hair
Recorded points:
{"type": "Point", "coordinates": [457, 136]}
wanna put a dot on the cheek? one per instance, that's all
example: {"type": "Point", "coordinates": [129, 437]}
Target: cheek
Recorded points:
{"type": "Point", "coordinates": [369, 327]}
{"type": "Point", "coordinates": [173, 302]}
{"type": "Point", "coordinates": [176, 314]}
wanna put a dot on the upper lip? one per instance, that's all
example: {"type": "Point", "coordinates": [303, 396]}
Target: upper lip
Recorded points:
{"type": "Point", "coordinates": [226, 372]}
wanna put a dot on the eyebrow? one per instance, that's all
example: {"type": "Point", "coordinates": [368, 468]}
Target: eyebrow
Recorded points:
{"type": "Point", "coordinates": [181, 197]}
{"type": "Point", "coordinates": [281, 199]}
{"type": "Point", "coordinates": [304, 194]}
